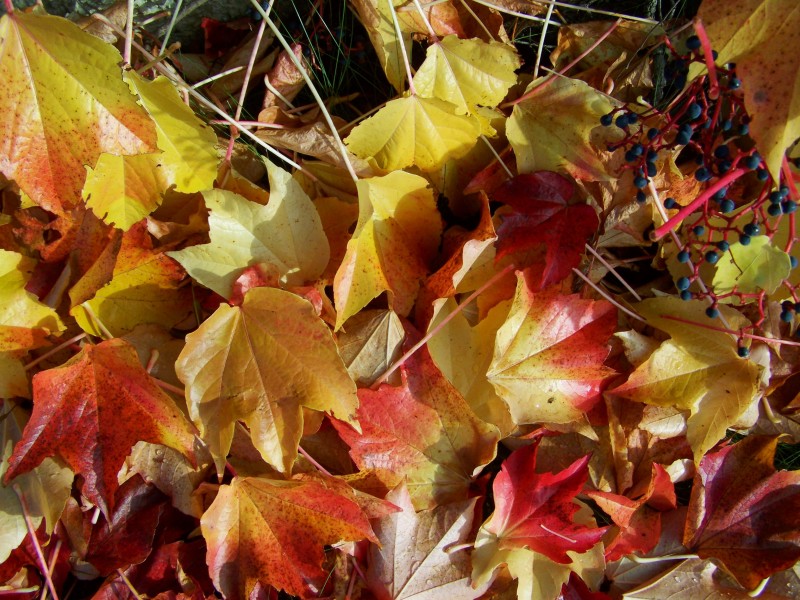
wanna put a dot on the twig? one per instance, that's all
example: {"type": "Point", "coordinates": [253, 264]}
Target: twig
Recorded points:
{"type": "Point", "coordinates": [35, 541]}
{"type": "Point", "coordinates": [128, 33]}
{"type": "Point", "coordinates": [540, 50]}
{"type": "Point", "coordinates": [55, 350]}
{"type": "Point", "coordinates": [172, 21]}
{"type": "Point", "coordinates": [608, 297]}
{"type": "Point", "coordinates": [614, 272]}
{"type": "Point", "coordinates": [313, 461]}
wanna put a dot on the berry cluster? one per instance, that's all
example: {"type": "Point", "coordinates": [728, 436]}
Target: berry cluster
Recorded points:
{"type": "Point", "coordinates": [707, 128]}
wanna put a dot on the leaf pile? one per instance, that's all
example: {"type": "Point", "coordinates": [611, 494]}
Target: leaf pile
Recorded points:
{"type": "Point", "coordinates": [431, 353]}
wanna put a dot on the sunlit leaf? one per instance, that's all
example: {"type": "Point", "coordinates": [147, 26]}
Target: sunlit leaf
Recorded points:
{"type": "Point", "coordinates": [760, 266]}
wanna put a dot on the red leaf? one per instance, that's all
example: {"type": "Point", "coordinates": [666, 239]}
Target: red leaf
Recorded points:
{"type": "Point", "coordinates": [91, 411]}
{"type": "Point", "coordinates": [535, 511]}
{"type": "Point", "coordinates": [543, 218]}
{"type": "Point", "coordinates": [744, 513]}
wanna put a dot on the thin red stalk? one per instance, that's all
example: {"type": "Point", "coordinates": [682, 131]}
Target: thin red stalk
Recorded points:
{"type": "Point", "coordinates": [35, 541]}
{"type": "Point", "coordinates": [311, 459]}
{"type": "Point", "coordinates": [722, 182]}
{"type": "Point", "coordinates": [751, 336]}
{"type": "Point", "coordinates": [713, 83]}
{"type": "Point", "coordinates": [169, 387]}
{"type": "Point", "coordinates": [495, 278]}
{"type": "Point", "coordinates": [55, 350]}
{"type": "Point", "coordinates": [578, 59]}
{"type": "Point", "coordinates": [9, 7]}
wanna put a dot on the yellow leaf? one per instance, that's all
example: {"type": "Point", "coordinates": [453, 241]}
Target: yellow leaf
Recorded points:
{"type": "Point", "coordinates": [286, 233]}
{"type": "Point", "coordinates": [558, 129]}
{"type": "Point", "coordinates": [377, 19]}
{"type": "Point", "coordinates": [424, 132]}
{"type": "Point", "coordinates": [697, 370]}
{"type": "Point", "coordinates": [261, 363]}
{"type": "Point", "coordinates": [145, 287]}
{"type": "Point", "coordinates": [62, 104]}
{"type": "Point", "coordinates": [751, 269]}
{"type": "Point", "coordinates": [757, 36]}
{"type": "Point", "coordinates": [189, 158]}
{"type": "Point", "coordinates": [122, 190]}
{"type": "Point", "coordinates": [467, 73]}
{"type": "Point", "coordinates": [24, 321]}
{"type": "Point", "coordinates": [13, 381]}
{"type": "Point", "coordinates": [396, 237]}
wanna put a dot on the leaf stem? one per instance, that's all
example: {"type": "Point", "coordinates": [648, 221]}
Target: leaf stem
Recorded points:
{"type": "Point", "coordinates": [672, 223]}
{"type": "Point", "coordinates": [424, 17]}
{"type": "Point", "coordinates": [128, 583]}
{"type": "Point", "coordinates": [613, 271]}
{"type": "Point", "coordinates": [169, 387]}
{"type": "Point", "coordinates": [734, 332]}
{"type": "Point", "coordinates": [55, 350]}
{"type": "Point", "coordinates": [708, 56]}
{"type": "Point", "coordinates": [643, 560]}
{"type": "Point", "coordinates": [9, 7]}
{"type": "Point", "coordinates": [313, 461]}
{"type": "Point", "coordinates": [35, 541]}
{"type": "Point", "coordinates": [173, 19]}
{"type": "Point", "coordinates": [403, 52]}
{"type": "Point", "coordinates": [608, 297]}
{"type": "Point", "coordinates": [494, 279]}
{"type": "Point", "coordinates": [128, 33]}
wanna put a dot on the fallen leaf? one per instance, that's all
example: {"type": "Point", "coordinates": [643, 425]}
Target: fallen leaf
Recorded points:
{"type": "Point", "coordinates": [286, 233]}
{"type": "Point", "coordinates": [395, 240]}
{"type": "Point", "coordinates": [25, 322]}
{"type": "Point", "coordinates": [261, 363]}
{"type": "Point", "coordinates": [62, 84]}
{"type": "Point", "coordinates": [274, 531]}
{"type": "Point", "coordinates": [744, 513]}
{"type": "Point", "coordinates": [412, 560]}
{"type": "Point", "coordinates": [376, 15]}
{"type": "Point", "coordinates": [548, 366]}
{"type": "Point", "coordinates": [751, 269]}
{"type": "Point", "coordinates": [430, 436]}
{"type": "Point", "coordinates": [371, 342]}
{"type": "Point", "coordinates": [424, 132]}
{"type": "Point", "coordinates": [91, 411]}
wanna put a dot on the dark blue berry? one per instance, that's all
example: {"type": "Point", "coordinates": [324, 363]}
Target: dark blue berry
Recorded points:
{"type": "Point", "coordinates": [775, 197]}
{"type": "Point", "coordinates": [637, 149]}
{"type": "Point", "coordinates": [698, 230]}
{"type": "Point", "coordinates": [712, 312]}
{"type": "Point", "coordinates": [694, 111]}
{"type": "Point", "coordinates": [693, 42]}
{"type": "Point", "coordinates": [744, 129]}
{"type": "Point", "coordinates": [787, 305]}
{"type": "Point", "coordinates": [702, 174]}
{"type": "Point", "coordinates": [633, 118]}
{"type": "Point", "coordinates": [640, 182]}
{"type": "Point", "coordinates": [784, 191]}
{"type": "Point", "coordinates": [711, 257]}
{"type": "Point", "coordinates": [641, 197]}
{"type": "Point", "coordinates": [744, 239]}
{"type": "Point", "coordinates": [719, 194]}
{"type": "Point", "coordinates": [726, 125]}
{"type": "Point", "coordinates": [652, 155]}
{"type": "Point", "coordinates": [723, 245]}
{"type": "Point", "coordinates": [714, 54]}
{"type": "Point", "coordinates": [775, 210]}
{"type": "Point", "coordinates": [683, 283]}
{"type": "Point", "coordinates": [752, 161]}
{"type": "Point", "coordinates": [722, 151]}
{"type": "Point", "coordinates": [788, 206]}
{"type": "Point", "coordinates": [652, 133]}
{"type": "Point", "coordinates": [787, 316]}
{"type": "Point", "coordinates": [683, 256]}
{"type": "Point", "coordinates": [735, 83]}
{"type": "Point", "coordinates": [607, 120]}
{"type": "Point", "coordinates": [622, 121]}
{"type": "Point", "coordinates": [751, 229]}
{"type": "Point", "coordinates": [631, 157]}
{"type": "Point", "coordinates": [743, 351]}
{"type": "Point", "coordinates": [762, 174]}
{"type": "Point", "coordinates": [651, 169]}
{"type": "Point", "coordinates": [670, 203]}
{"type": "Point", "coordinates": [686, 295]}
{"type": "Point", "coordinates": [727, 206]}
{"type": "Point", "coordinates": [793, 262]}
{"type": "Point", "coordinates": [724, 166]}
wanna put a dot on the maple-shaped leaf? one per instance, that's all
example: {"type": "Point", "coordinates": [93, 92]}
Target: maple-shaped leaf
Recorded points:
{"type": "Point", "coordinates": [544, 216]}
{"type": "Point", "coordinates": [261, 363]}
{"type": "Point", "coordinates": [549, 354]}
{"type": "Point", "coordinates": [424, 132]}
{"type": "Point", "coordinates": [189, 156]}
{"type": "Point", "coordinates": [274, 532]}
{"type": "Point", "coordinates": [396, 238]}
{"type": "Point", "coordinates": [538, 530]}
{"type": "Point", "coordinates": [422, 431]}
{"type": "Point", "coordinates": [145, 287]}
{"type": "Point", "coordinates": [467, 73]}
{"type": "Point", "coordinates": [412, 560]}
{"type": "Point", "coordinates": [698, 370]}
{"type": "Point", "coordinates": [754, 34]}
{"type": "Point", "coordinates": [63, 103]}
{"type": "Point", "coordinates": [554, 130]}
{"type": "Point", "coordinates": [751, 269]}
{"type": "Point", "coordinates": [744, 513]}
{"type": "Point", "coordinates": [123, 190]}
{"type": "Point", "coordinates": [535, 511]}
{"type": "Point", "coordinates": [45, 489]}
{"type": "Point", "coordinates": [91, 411]}
{"type": "Point", "coordinates": [286, 233]}
{"type": "Point", "coordinates": [25, 322]}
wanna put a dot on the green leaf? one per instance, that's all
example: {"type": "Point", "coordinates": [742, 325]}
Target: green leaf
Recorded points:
{"type": "Point", "coordinates": [752, 268]}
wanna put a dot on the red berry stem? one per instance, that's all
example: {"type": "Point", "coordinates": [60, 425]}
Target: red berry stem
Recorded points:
{"type": "Point", "coordinates": [702, 199]}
